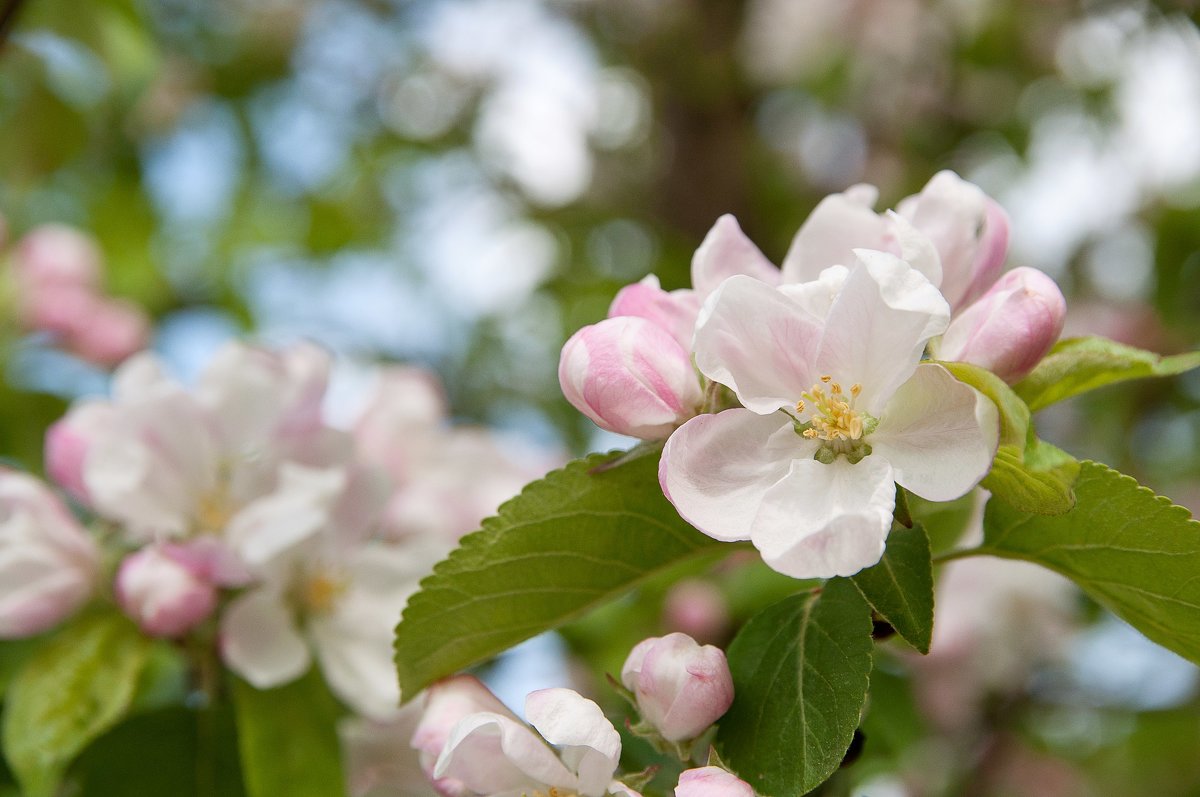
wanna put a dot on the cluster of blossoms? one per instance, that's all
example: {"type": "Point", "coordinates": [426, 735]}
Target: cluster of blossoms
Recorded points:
{"type": "Point", "coordinates": [835, 404]}
{"type": "Point", "coordinates": [471, 745]}
{"type": "Point", "coordinates": [231, 513]}
{"type": "Point", "coordinates": [54, 279]}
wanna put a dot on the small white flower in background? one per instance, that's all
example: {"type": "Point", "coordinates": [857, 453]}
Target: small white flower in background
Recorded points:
{"type": "Point", "coordinates": [712, 782]}
{"type": "Point", "coordinates": [48, 563]}
{"type": "Point", "coordinates": [574, 750]}
{"type": "Point", "coordinates": [1010, 328]}
{"type": "Point", "coordinates": [339, 603]}
{"type": "Point", "coordinates": [837, 410]}
{"type": "Point", "coordinates": [681, 687]}
{"type": "Point", "coordinates": [165, 589]}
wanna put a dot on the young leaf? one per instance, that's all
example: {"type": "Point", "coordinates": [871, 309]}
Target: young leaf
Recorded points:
{"type": "Point", "coordinates": [800, 671]}
{"type": "Point", "coordinates": [76, 687]}
{"type": "Point", "coordinates": [579, 537]}
{"type": "Point", "coordinates": [288, 738]}
{"type": "Point", "coordinates": [900, 587]}
{"type": "Point", "coordinates": [1132, 551]}
{"type": "Point", "coordinates": [1077, 365]}
{"type": "Point", "coordinates": [1031, 475]}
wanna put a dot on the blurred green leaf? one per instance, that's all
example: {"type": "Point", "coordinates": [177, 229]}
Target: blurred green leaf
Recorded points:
{"type": "Point", "coordinates": [1132, 551]}
{"type": "Point", "coordinates": [1077, 365]}
{"type": "Point", "coordinates": [570, 542]}
{"type": "Point", "coordinates": [900, 587]}
{"type": "Point", "coordinates": [288, 738]}
{"type": "Point", "coordinates": [800, 671]}
{"type": "Point", "coordinates": [72, 690]}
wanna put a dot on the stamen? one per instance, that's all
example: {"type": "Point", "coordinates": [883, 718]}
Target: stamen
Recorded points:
{"type": "Point", "coordinates": [855, 389]}
{"type": "Point", "coordinates": [827, 378]}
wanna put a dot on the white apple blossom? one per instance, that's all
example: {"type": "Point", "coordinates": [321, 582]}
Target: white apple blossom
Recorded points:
{"type": "Point", "coordinates": [837, 409]}
{"type": "Point", "coordinates": [493, 753]}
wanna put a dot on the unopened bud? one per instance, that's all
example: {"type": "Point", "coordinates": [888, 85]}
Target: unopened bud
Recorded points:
{"type": "Point", "coordinates": [712, 782]}
{"type": "Point", "coordinates": [681, 687]}
{"type": "Point", "coordinates": [630, 376]}
{"type": "Point", "coordinates": [163, 592]}
{"type": "Point", "coordinates": [1012, 326]}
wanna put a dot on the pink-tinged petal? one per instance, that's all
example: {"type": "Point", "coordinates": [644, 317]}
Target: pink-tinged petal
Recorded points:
{"type": "Point", "coordinates": [712, 782]}
{"type": "Point", "coordinates": [48, 563]}
{"type": "Point", "coordinates": [1010, 328]}
{"type": "Point", "coordinates": [111, 331]}
{"type": "Point", "coordinates": [619, 788]}
{"type": "Point", "coordinates": [68, 441]}
{"type": "Point", "coordinates": [58, 255]}
{"type": "Point", "coordinates": [878, 325]}
{"type": "Point", "coordinates": [968, 229]}
{"type": "Point", "coordinates": [938, 434]}
{"type": "Point", "coordinates": [162, 594]}
{"type": "Point", "coordinates": [727, 252]}
{"type": "Point", "coordinates": [673, 311]}
{"type": "Point", "coordinates": [826, 520]}
{"type": "Point", "coordinates": [682, 687]}
{"type": "Point", "coordinates": [588, 743]}
{"type": "Point", "coordinates": [716, 468]}
{"type": "Point", "coordinates": [838, 225]}
{"type": "Point", "coordinates": [493, 754]}
{"type": "Point", "coordinates": [446, 703]}
{"type": "Point", "coordinates": [260, 642]}
{"type": "Point", "coordinates": [630, 377]}
{"type": "Point", "coordinates": [759, 342]}
{"type": "Point", "coordinates": [402, 418]}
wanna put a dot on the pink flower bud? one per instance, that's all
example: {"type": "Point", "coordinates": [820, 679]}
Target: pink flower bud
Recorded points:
{"type": "Point", "coordinates": [57, 255]}
{"type": "Point", "coordinates": [163, 593]}
{"type": "Point", "coordinates": [1012, 326]}
{"type": "Point", "coordinates": [681, 687]}
{"type": "Point", "coordinates": [712, 782]}
{"type": "Point", "coordinates": [110, 331]}
{"type": "Point", "coordinates": [698, 609]}
{"type": "Point", "coordinates": [674, 311]}
{"type": "Point", "coordinates": [447, 702]}
{"type": "Point", "coordinates": [68, 441]}
{"type": "Point", "coordinates": [630, 376]}
{"type": "Point", "coordinates": [48, 563]}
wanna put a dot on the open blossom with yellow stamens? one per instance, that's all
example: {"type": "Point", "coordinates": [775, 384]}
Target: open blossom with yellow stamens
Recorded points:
{"type": "Point", "coordinates": [807, 470]}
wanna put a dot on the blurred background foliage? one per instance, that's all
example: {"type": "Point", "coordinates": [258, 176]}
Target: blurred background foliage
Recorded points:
{"type": "Point", "coordinates": [463, 183]}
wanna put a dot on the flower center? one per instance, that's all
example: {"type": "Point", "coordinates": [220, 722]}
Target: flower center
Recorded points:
{"type": "Point", "coordinates": [321, 591]}
{"type": "Point", "coordinates": [215, 510]}
{"type": "Point", "coordinates": [833, 420]}
{"type": "Point", "coordinates": [553, 791]}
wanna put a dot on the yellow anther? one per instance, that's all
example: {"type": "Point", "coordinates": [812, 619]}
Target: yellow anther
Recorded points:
{"type": "Point", "coordinates": [835, 388]}
{"type": "Point", "coordinates": [800, 406]}
{"type": "Point", "coordinates": [855, 389]}
{"type": "Point", "coordinates": [810, 433]}
{"type": "Point", "coordinates": [826, 378]}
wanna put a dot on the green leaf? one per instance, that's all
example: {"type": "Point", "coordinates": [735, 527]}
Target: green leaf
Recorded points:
{"type": "Point", "coordinates": [1132, 551]}
{"type": "Point", "coordinates": [568, 543]}
{"type": "Point", "coordinates": [1028, 473]}
{"type": "Point", "coordinates": [945, 522]}
{"type": "Point", "coordinates": [900, 587]}
{"type": "Point", "coordinates": [194, 754]}
{"type": "Point", "coordinates": [800, 671]}
{"type": "Point", "coordinates": [1077, 365]}
{"type": "Point", "coordinates": [73, 689]}
{"type": "Point", "coordinates": [288, 738]}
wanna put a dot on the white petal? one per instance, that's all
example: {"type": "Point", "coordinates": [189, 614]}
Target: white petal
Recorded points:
{"type": "Point", "coordinates": [715, 469]}
{"type": "Point", "coordinates": [726, 252]}
{"type": "Point", "coordinates": [356, 660]}
{"type": "Point", "coordinates": [837, 226]}
{"type": "Point", "coordinates": [587, 741]}
{"type": "Point", "coordinates": [916, 249]}
{"type": "Point", "coordinates": [816, 296]}
{"type": "Point", "coordinates": [299, 508]}
{"type": "Point", "coordinates": [826, 520]}
{"type": "Point", "coordinates": [260, 642]}
{"type": "Point", "coordinates": [877, 327]}
{"type": "Point", "coordinates": [757, 341]}
{"type": "Point", "coordinates": [493, 753]}
{"type": "Point", "coordinates": [938, 434]}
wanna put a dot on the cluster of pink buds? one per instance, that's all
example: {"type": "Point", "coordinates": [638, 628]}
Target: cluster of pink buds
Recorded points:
{"type": "Point", "coordinates": [57, 274]}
